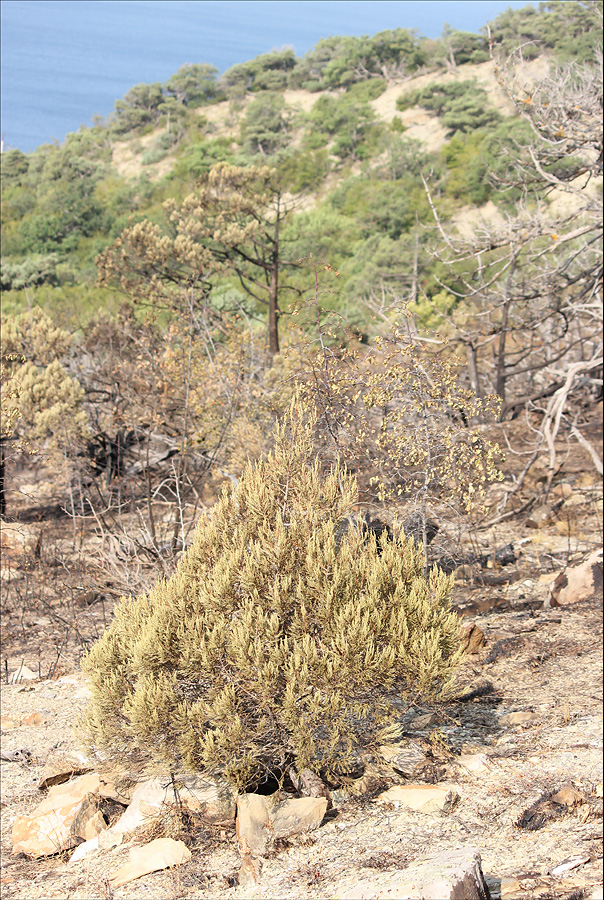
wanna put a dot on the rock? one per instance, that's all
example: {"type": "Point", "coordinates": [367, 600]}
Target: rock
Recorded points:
{"type": "Point", "coordinates": [578, 582]}
{"type": "Point", "coordinates": [22, 755]}
{"type": "Point", "coordinates": [562, 491]}
{"type": "Point", "coordinates": [34, 719]}
{"type": "Point", "coordinates": [260, 820]}
{"type": "Point", "coordinates": [473, 639]}
{"type": "Point", "coordinates": [210, 798]}
{"type": "Point", "coordinates": [250, 870]}
{"type": "Point", "coordinates": [540, 517]}
{"type": "Point", "coordinates": [61, 765]}
{"type": "Point", "coordinates": [475, 763]}
{"type": "Point", "coordinates": [68, 813]}
{"type": "Point", "coordinates": [119, 789]}
{"type": "Point", "coordinates": [568, 795]}
{"type": "Point", "coordinates": [85, 849]}
{"type": "Point", "coordinates": [450, 875]}
{"type": "Point", "coordinates": [23, 673]}
{"type": "Point", "coordinates": [252, 823]}
{"type": "Point", "coordinates": [518, 718]}
{"type": "Point", "coordinates": [147, 801]}
{"type": "Point", "coordinates": [421, 723]}
{"type": "Point", "coordinates": [403, 759]}
{"type": "Point", "coordinates": [18, 540]}
{"type": "Point", "coordinates": [567, 865]}
{"type": "Point", "coordinates": [7, 723]}
{"type": "Point", "coordinates": [309, 784]}
{"type": "Point", "coordinates": [158, 854]}
{"type": "Point", "coordinates": [89, 820]}
{"type": "Point", "coordinates": [298, 816]}
{"type": "Point", "coordinates": [423, 797]}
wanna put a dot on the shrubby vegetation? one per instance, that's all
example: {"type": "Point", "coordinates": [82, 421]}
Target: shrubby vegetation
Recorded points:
{"type": "Point", "coordinates": [273, 643]}
{"type": "Point", "coordinates": [313, 255]}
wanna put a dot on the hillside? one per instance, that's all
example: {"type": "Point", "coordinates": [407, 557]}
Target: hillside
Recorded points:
{"type": "Point", "coordinates": [301, 414]}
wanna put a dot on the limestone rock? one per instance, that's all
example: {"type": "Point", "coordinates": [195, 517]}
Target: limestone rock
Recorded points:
{"type": "Point", "coordinates": [61, 765]}
{"type": "Point", "coordinates": [23, 673]}
{"type": "Point", "coordinates": [403, 759]}
{"type": "Point", "coordinates": [250, 870]}
{"type": "Point", "coordinates": [422, 723]}
{"type": "Point", "coordinates": [210, 798]}
{"type": "Point", "coordinates": [424, 797]}
{"type": "Point", "coordinates": [308, 784]}
{"type": "Point", "coordinates": [578, 582]}
{"type": "Point", "coordinates": [297, 816]}
{"type": "Point", "coordinates": [540, 517]}
{"type": "Point", "coordinates": [147, 801]}
{"type": "Point", "coordinates": [518, 718]}
{"type": "Point", "coordinates": [475, 763]}
{"type": "Point", "coordinates": [68, 813]}
{"type": "Point", "coordinates": [450, 875]}
{"type": "Point", "coordinates": [158, 854]}
{"type": "Point", "coordinates": [260, 820]}
{"type": "Point", "coordinates": [252, 823]}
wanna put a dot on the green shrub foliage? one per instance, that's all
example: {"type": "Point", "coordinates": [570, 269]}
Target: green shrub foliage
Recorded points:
{"type": "Point", "coordinates": [271, 645]}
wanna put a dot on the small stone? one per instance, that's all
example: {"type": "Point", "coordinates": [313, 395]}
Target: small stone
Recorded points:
{"type": "Point", "coordinates": [161, 853]}
{"type": "Point", "coordinates": [147, 801]}
{"type": "Point", "coordinates": [7, 723]}
{"type": "Point", "coordinates": [85, 849]}
{"type": "Point", "coordinates": [421, 723]}
{"type": "Point", "coordinates": [403, 759]}
{"type": "Point", "coordinates": [309, 784]}
{"type": "Point", "coordinates": [260, 820]}
{"type": "Point", "coordinates": [473, 639]}
{"type": "Point", "coordinates": [540, 517]}
{"type": "Point", "coordinates": [568, 865]}
{"type": "Point", "coordinates": [23, 673]}
{"type": "Point", "coordinates": [568, 795]}
{"type": "Point", "coordinates": [578, 582]}
{"type": "Point", "coordinates": [210, 798]}
{"type": "Point", "coordinates": [562, 491]}
{"type": "Point", "coordinates": [34, 719]}
{"type": "Point", "coordinates": [423, 797]}
{"type": "Point", "coordinates": [476, 763]}
{"type": "Point", "coordinates": [518, 718]}
{"type": "Point", "coordinates": [89, 820]}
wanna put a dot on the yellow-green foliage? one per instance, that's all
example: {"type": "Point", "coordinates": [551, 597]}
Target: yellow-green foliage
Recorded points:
{"type": "Point", "coordinates": [270, 645]}
{"type": "Point", "coordinates": [40, 399]}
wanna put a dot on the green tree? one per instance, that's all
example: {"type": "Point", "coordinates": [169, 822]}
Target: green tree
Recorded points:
{"type": "Point", "coordinates": [268, 72]}
{"type": "Point", "coordinates": [230, 225]}
{"type": "Point", "coordinates": [194, 85]}
{"type": "Point", "coordinates": [265, 126]}
{"type": "Point", "coordinates": [139, 107]}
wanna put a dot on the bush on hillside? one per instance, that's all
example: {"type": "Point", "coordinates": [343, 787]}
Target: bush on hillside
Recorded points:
{"type": "Point", "coordinates": [269, 645]}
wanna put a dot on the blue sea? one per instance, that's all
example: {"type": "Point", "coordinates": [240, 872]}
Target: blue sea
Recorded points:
{"type": "Point", "coordinates": [67, 61]}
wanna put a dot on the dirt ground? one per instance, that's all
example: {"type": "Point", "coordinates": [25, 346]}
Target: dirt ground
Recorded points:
{"type": "Point", "coordinates": [546, 662]}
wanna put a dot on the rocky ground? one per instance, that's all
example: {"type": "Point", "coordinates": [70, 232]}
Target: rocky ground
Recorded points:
{"type": "Point", "coordinates": [518, 753]}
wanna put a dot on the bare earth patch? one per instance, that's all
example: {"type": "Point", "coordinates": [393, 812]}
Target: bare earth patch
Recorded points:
{"type": "Point", "coordinates": [543, 662]}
